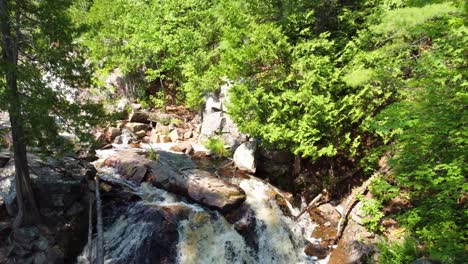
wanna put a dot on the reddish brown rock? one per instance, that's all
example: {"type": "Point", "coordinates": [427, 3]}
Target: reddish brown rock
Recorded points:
{"type": "Point", "coordinates": [316, 250]}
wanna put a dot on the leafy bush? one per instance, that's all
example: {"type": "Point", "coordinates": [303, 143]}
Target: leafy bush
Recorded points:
{"type": "Point", "coordinates": [157, 101]}
{"type": "Point", "coordinates": [152, 154]}
{"type": "Point", "coordinates": [382, 190]}
{"type": "Point", "coordinates": [399, 252]}
{"type": "Point", "coordinates": [216, 146]}
{"type": "Point", "coordinates": [372, 214]}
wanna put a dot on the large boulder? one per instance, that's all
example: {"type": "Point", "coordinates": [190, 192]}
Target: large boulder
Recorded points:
{"type": "Point", "coordinates": [204, 187]}
{"type": "Point", "coordinates": [139, 117]}
{"type": "Point", "coordinates": [135, 127]}
{"type": "Point", "coordinates": [176, 173]}
{"type": "Point", "coordinates": [211, 124]}
{"type": "Point", "coordinates": [244, 157]}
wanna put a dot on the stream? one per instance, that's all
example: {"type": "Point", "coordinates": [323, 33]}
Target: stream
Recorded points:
{"type": "Point", "coordinates": [163, 227]}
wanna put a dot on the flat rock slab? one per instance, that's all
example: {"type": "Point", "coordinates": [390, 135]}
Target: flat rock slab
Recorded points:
{"type": "Point", "coordinates": [177, 173]}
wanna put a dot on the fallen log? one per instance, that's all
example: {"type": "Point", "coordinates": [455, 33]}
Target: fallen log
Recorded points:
{"type": "Point", "coordinates": [309, 206]}
{"type": "Point", "coordinates": [352, 200]}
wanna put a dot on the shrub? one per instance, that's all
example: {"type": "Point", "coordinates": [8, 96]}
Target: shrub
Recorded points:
{"type": "Point", "coordinates": [216, 146]}
{"type": "Point", "coordinates": [399, 252]}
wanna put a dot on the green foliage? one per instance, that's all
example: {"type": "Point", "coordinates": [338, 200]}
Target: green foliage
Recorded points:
{"type": "Point", "coordinates": [372, 214]}
{"type": "Point", "coordinates": [322, 78]}
{"type": "Point", "coordinates": [216, 146]}
{"type": "Point", "coordinates": [429, 129]}
{"type": "Point", "coordinates": [382, 190]}
{"type": "Point", "coordinates": [50, 69]}
{"type": "Point", "coordinates": [398, 252]}
{"type": "Point", "coordinates": [157, 101]}
{"type": "Point", "coordinates": [152, 154]}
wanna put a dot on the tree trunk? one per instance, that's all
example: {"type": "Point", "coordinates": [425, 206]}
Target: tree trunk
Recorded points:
{"type": "Point", "coordinates": [90, 229]}
{"type": "Point", "coordinates": [28, 212]}
{"type": "Point", "coordinates": [100, 233]}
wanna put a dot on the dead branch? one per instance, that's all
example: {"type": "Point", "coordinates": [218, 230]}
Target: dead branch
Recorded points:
{"type": "Point", "coordinates": [349, 207]}
{"type": "Point", "coordinates": [309, 206]}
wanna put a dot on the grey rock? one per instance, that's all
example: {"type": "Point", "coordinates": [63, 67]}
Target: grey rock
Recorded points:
{"type": "Point", "coordinates": [211, 123]}
{"type": "Point", "coordinates": [140, 117]}
{"type": "Point", "coordinates": [135, 127]}
{"type": "Point", "coordinates": [212, 104]}
{"type": "Point", "coordinates": [40, 258]}
{"type": "Point", "coordinates": [244, 157]}
{"type": "Point", "coordinates": [176, 173]}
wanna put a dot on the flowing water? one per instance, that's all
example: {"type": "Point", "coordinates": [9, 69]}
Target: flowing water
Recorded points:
{"type": "Point", "coordinates": [138, 233]}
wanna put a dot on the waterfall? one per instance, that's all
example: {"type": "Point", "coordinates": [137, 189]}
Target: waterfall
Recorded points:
{"type": "Point", "coordinates": [167, 228]}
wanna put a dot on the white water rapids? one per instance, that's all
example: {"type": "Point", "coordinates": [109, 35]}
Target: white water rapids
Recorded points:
{"type": "Point", "coordinates": [204, 236]}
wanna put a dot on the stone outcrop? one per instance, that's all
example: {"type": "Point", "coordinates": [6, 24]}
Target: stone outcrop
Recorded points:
{"type": "Point", "coordinates": [244, 157]}
{"type": "Point", "coordinates": [176, 173]}
{"type": "Point", "coordinates": [217, 122]}
{"type": "Point", "coordinates": [61, 193]}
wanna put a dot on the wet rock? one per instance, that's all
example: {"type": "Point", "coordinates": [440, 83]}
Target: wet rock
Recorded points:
{"type": "Point", "coordinates": [140, 117]}
{"type": "Point", "coordinates": [244, 221]}
{"type": "Point", "coordinates": [3, 160]}
{"type": "Point", "coordinates": [135, 127]}
{"type": "Point", "coordinates": [244, 157]}
{"type": "Point", "coordinates": [129, 164]}
{"type": "Point", "coordinates": [153, 234]}
{"type": "Point", "coordinates": [316, 250]}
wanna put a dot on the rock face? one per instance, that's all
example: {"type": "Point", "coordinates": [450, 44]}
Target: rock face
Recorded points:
{"type": "Point", "coordinates": [176, 173]}
{"type": "Point", "coordinates": [244, 157]}
{"type": "Point", "coordinates": [217, 122]}
{"type": "Point", "coordinates": [61, 192]}
{"type": "Point", "coordinates": [276, 164]}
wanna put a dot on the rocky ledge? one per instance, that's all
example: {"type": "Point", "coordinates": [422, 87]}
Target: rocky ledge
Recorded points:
{"type": "Point", "coordinates": [176, 173]}
{"type": "Point", "coordinates": [61, 191]}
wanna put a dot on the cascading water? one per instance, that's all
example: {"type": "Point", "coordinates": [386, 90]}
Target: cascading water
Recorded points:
{"type": "Point", "coordinates": [166, 228]}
